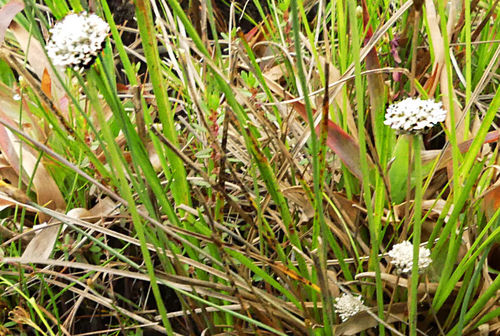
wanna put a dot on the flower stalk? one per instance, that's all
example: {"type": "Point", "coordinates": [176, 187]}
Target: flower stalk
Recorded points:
{"type": "Point", "coordinates": [417, 229]}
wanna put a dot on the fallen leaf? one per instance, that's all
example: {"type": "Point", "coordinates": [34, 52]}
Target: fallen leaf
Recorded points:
{"type": "Point", "coordinates": [153, 157]}
{"type": "Point", "coordinates": [13, 192]}
{"type": "Point", "coordinates": [42, 244]}
{"type": "Point", "coordinates": [48, 193]}
{"type": "Point", "coordinates": [104, 208]}
{"type": "Point", "coordinates": [363, 321]}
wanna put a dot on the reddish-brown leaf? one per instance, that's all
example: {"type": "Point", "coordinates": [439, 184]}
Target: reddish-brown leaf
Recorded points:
{"type": "Point", "coordinates": [430, 155]}
{"type": "Point", "coordinates": [7, 14]}
{"type": "Point", "coordinates": [340, 142]}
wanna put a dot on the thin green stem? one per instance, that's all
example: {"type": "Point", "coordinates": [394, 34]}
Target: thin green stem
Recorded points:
{"type": "Point", "coordinates": [417, 229]}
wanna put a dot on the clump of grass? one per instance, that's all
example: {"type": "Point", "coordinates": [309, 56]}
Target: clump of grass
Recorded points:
{"type": "Point", "coordinates": [202, 179]}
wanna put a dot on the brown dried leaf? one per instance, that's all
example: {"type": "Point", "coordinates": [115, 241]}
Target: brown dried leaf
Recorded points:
{"type": "Point", "coordinates": [275, 73]}
{"type": "Point", "coordinates": [48, 193]}
{"type": "Point", "coordinates": [153, 157]}
{"type": "Point", "coordinates": [42, 244]}
{"type": "Point", "coordinates": [13, 192]}
{"type": "Point", "coordinates": [6, 202]}
{"type": "Point", "coordinates": [105, 207]}
{"type": "Point", "coordinates": [347, 208]}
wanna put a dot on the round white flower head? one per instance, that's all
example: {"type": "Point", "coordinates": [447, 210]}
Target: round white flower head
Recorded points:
{"type": "Point", "coordinates": [76, 40]}
{"type": "Point", "coordinates": [402, 257]}
{"type": "Point", "coordinates": [414, 115]}
{"type": "Point", "coordinates": [347, 306]}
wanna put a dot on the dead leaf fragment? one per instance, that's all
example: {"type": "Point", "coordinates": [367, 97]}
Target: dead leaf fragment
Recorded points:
{"type": "Point", "coordinates": [340, 142]}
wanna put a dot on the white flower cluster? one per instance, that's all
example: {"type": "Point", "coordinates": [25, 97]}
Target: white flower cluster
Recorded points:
{"type": "Point", "coordinates": [347, 306]}
{"type": "Point", "coordinates": [402, 257]}
{"type": "Point", "coordinates": [414, 115]}
{"type": "Point", "coordinates": [76, 40]}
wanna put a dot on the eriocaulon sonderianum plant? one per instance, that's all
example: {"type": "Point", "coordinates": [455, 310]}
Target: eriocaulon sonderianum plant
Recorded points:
{"type": "Point", "coordinates": [414, 116]}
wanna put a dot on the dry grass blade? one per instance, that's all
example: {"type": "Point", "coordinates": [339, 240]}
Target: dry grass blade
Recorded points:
{"type": "Point", "coordinates": [439, 71]}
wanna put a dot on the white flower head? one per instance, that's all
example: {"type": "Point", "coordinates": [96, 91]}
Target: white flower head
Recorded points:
{"type": "Point", "coordinates": [76, 40]}
{"type": "Point", "coordinates": [414, 115]}
{"type": "Point", "coordinates": [347, 306]}
{"type": "Point", "coordinates": [402, 257]}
